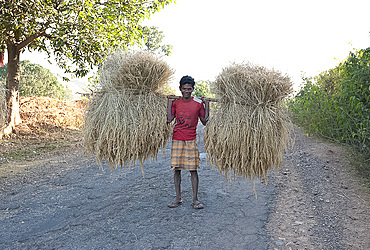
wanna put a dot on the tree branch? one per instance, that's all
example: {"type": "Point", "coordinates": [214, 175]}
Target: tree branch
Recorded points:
{"type": "Point", "coordinates": [31, 38]}
{"type": "Point", "coordinates": [57, 6]}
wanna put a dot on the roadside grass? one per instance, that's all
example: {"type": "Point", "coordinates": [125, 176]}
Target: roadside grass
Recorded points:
{"type": "Point", "coordinates": [47, 125]}
{"type": "Point", "coordinates": [20, 152]}
{"type": "Point", "coordinates": [27, 147]}
{"type": "Point", "coordinates": [31, 152]}
{"type": "Point", "coordinates": [360, 163]}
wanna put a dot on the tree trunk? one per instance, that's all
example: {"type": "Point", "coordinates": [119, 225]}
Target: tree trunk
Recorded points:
{"type": "Point", "coordinates": [12, 85]}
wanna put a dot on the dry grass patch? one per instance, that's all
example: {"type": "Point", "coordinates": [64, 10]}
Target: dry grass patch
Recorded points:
{"type": "Point", "coordinates": [48, 125]}
{"type": "Point", "coordinates": [45, 114]}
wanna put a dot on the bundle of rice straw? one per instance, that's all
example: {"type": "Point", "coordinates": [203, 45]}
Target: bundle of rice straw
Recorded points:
{"type": "Point", "coordinates": [249, 132]}
{"type": "Point", "coordinates": [3, 107]}
{"type": "Point", "coordinates": [126, 120]}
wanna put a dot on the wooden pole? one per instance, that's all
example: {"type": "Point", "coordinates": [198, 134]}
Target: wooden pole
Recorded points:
{"type": "Point", "coordinates": [178, 97]}
{"type": "Point", "coordinates": [175, 97]}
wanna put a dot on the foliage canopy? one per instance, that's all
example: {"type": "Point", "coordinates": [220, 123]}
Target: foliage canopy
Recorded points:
{"type": "Point", "coordinates": [80, 32]}
{"type": "Point", "coordinates": [153, 39]}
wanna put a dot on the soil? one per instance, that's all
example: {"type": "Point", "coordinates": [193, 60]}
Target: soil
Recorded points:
{"type": "Point", "coordinates": [321, 201]}
{"type": "Point", "coordinates": [55, 196]}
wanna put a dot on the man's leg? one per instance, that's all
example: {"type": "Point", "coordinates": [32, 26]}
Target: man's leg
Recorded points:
{"type": "Point", "coordinates": [177, 180]}
{"type": "Point", "coordinates": [194, 183]}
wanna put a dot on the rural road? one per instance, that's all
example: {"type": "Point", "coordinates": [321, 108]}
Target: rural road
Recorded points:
{"type": "Point", "coordinates": [68, 202]}
{"type": "Point", "coordinates": [79, 206]}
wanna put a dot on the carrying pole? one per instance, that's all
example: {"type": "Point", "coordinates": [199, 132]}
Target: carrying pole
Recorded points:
{"type": "Point", "coordinates": [178, 97]}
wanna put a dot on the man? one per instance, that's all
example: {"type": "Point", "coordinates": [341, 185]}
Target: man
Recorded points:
{"type": "Point", "coordinates": [184, 153]}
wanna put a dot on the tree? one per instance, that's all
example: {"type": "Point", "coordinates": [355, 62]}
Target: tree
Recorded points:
{"type": "Point", "coordinates": [35, 80]}
{"type": "Point", "coordinates": [79, 33]}
{"type": "Point", "coordinates": [202, 88]}
{"type": "Point", "coordinates": [153, 41]}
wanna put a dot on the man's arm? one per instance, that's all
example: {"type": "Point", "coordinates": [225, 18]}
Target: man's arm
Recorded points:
{"type": "Point", "coordinates": [204, 119]}
{"type": "Point", "coordinates": [170, 116]}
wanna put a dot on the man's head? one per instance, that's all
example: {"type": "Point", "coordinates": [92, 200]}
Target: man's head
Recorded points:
{"type": "Point", "coordinates": [187, 86]}
{"type": "Point", "coordinates": [187, 80]}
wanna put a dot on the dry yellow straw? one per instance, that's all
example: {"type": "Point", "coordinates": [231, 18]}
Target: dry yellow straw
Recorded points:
{"type": "Point", "coordinates": [248, 133]}
{"type": "Point", "coordinates": [126, 121]}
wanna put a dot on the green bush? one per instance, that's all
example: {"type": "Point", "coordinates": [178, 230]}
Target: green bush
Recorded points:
{"type": "Point", "coordinates": [336, 103]}
{"type": "Point", "coordinates": [202, 88]}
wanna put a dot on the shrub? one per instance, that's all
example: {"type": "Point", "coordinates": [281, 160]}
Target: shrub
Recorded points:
{"type": "Point", "coordinates": [336, 103]}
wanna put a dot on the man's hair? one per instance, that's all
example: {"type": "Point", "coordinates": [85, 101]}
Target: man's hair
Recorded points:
{"type": "Point", "coordinates": [187, 80]}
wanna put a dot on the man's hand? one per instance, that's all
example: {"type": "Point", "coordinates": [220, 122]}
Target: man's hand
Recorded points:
{"type": "Point", "coordinates": [171, 99]}
{"type": "Point", "coordinates": [204, 119]}
{"type": "Point", "coordinates": [205, 100]}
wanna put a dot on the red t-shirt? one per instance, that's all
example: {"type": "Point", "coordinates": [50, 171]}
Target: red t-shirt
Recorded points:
{"type": "Point", "coordinates": [187, 114]}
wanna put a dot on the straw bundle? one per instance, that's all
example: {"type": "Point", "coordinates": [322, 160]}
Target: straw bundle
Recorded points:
{"type": "Point", "coordinates": [247, 135]}
{"type": "Point", "coordinates": [126, 120]}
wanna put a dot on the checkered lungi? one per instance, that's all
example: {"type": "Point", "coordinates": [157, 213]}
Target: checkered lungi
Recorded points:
{"type": "Point", "coordinates": [184, 155]}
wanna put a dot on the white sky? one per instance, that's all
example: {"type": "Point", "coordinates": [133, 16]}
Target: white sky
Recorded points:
{"type": "Point", "coordinates": [288, 35]}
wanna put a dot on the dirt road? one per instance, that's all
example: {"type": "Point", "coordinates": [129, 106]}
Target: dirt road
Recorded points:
{"type": "Point", "coordinates": [320, 204]}
{"type": "Point", "coordinates": [67, 202]}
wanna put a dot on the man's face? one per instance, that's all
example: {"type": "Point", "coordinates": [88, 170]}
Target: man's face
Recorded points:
{"type": "Point", "coordinates": [186, 90]}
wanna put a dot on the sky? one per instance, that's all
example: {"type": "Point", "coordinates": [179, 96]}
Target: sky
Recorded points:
{"type": "Point", "coordinates": [293, 37]}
